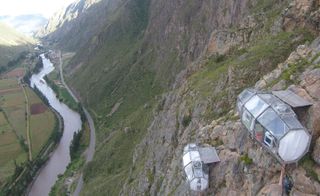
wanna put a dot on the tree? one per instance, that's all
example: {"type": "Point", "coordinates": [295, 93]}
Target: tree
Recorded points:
{"type": "Point", "coordinates": [75, 144]}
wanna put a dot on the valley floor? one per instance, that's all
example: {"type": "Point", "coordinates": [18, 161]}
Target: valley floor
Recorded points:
{"type": "Point", "coordinates": [26, 123]}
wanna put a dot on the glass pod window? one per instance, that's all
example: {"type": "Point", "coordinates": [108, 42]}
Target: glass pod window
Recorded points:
{"type": "Point", "coordinates": [268, 139]}
{"type": "Point", "coordinates": [259, 132]}
{"type": "Point", "coordinates": [247, 119]}
{"type": "Point", "coordinates": [256, 106]}
{"type": "Point", "coordinates": [245, 95]}
{"type": "Point", "coordinates": [239, 106]}
{"type": "Point", "coordinates": [273, 123]}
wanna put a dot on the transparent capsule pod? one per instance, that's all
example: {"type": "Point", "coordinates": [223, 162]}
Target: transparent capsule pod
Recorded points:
{"type": "Point", "coordinates": [272, 122]}
{"type": "Point", "coordinates": [195, 165]}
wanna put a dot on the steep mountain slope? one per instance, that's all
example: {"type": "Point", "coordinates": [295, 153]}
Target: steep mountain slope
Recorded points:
{"type": "Point", "coordinates": [12, 43]}
{"type": "Point", "coordinates": [157, 74]}
{"type": "Point", "coordinates": [73, 27]}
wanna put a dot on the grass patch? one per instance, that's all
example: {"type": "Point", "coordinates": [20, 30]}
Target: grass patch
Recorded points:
{"type": "Point", "coordinates": [217, 142]}
{"type": "Point", "coordinates": [294, 70]}
{"type": "Point", "coordinates": [246, 159]}
{"type": "Point", "coordinates": [290, 75]}
{"type": "Point", "coordinates": [186, 120]}
{"type": "Point", "coordinates": [63, 94]}
{"type": "Point", "coordinates": [41, 127]}
{"type": "Point", "coordinates": [116, 154]}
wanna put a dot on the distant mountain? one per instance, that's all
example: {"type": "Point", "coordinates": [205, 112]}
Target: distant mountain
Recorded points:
{"type": "Point", "coordinates": [66, 27]}
{"type": "Point", "coordinates": [11, 37]}
{"type": "Point", "coordinates": [12, 43]}
{"type": "Point", "coordinates": [27, 24]}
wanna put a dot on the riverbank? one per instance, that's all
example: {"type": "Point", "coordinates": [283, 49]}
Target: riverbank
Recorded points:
{"type": "Point", "coordinates": [71, 180]}
{"type": "Point", "coordinates": [48, 152]}
{"type": "Point", "coordinates": [27, 172]}
{"type": "Point", "coordinates": [38, 150]}
{"type": "Point", "coordinates": [67, 182]}
{"type": "Point", "coordinates": [60, 157]}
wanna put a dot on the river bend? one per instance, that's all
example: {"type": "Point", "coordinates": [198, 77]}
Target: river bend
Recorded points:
{"type": "Point", "coordinates": [60, 157]}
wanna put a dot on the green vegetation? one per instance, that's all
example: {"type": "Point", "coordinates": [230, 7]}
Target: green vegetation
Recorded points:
{"type": "Point", "coordinates": [120, 74]}
{"type": "Point", "coordinates": [38, 66]}
{"type": "Point", "coordinates": [25, 172]}
{"type": "Point", "coordinates": [75, 144]}
{"type": "Point", "coordinates": [261, 57]}
{"type": "Point", "coordinates": [217, 142]}
{"type": "Point", "coordinates": [122, 67]}
{"type": "Point", "coordinates": [67, 182]}
{"type": "Point", "coordinates": [246, 159]}
{"type": "Point", "coordinates": [10, 149]}
{"type": "Point", "coordinates": [62, 94]}
{"type": "Point", "coordinates": [186, 120]}
{"type": "Point", "coordinates": [13, 63]}
{"type": "Point", "coordinates": [16, 170]}
{"type": "Point", "coordinates": [41, 126]}
{"type": "Point", "coordinates": [293, 70]}
{"type": "Point", "coordinates": [116, 153]}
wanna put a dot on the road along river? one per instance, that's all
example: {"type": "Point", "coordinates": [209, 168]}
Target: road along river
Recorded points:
{"type": "Point", "coordinates": [60, 157]}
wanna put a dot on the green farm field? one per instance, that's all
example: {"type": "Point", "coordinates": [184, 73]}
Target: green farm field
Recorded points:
{"type": "Point", "coordinates": [6, 84]}
{"type": "Point", "coordinates": [41, 124]}
{"type": "Point", "coordinates": [14, 104]}
{"type": "Point", "coordinates": [10, 149]}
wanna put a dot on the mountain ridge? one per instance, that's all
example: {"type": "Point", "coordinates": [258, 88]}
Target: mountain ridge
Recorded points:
{"type": "Point", "coordinates": [12, 44]}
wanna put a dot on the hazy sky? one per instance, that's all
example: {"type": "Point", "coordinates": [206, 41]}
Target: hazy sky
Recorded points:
{"type": "Point", "coordinates": [21, 7]}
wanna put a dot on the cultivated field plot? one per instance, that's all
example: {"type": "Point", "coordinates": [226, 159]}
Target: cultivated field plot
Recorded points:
{"type": "Point", "coordinates": [13, 123]}
{"type": "Point", "coordinates": [13, 104]}
{"type": "Point", "coordinates": [42, 121]}
{"type": "Point", "coordinates": [16, 73]}
{"type": "Point", "coordinates": [38, 108]}
{"type": "Point", "coordinates": [10, 149]}
{"type": "Point", "coordinates": [6, 84]}
{"type": "Point", "coordinates": [41, 126]}
{"type": "Point", "coordinates": [12, 127]}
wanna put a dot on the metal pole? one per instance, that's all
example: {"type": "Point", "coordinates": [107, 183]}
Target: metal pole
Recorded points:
{"type": "Point", "coordinates": [283, 171]}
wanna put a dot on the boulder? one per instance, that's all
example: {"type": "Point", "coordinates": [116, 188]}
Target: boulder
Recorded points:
{"type": "Point", "coordinates": [315, 119]}
{"type": "Point", "coordinates": [301, 92]}
{"type": "Point", "coordinates": [261, 84]}
{"type": "Point", "coordinates": [304, 184]}
{"type": "Point", "coordinates": [311, 81]}
{"type": "Point", "coordinates": [298, 193]}
{"type": "Point", "coordinates": [127, 130]}
{"type": "Point", "coordinates": [279, 86]}
{"type": "Point", "coordinates": [316, 152]}
{"type": "Point", "coordinates": [271, 190]}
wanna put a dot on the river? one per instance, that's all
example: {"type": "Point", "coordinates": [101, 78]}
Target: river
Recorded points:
{"type": "Point", "coordinates": [60, 157]}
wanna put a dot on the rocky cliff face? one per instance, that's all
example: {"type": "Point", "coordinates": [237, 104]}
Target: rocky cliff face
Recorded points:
{"type": "Point", "coordinates": [160, 73]}
{"type": "Point", "coordinates": [234, 175]}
